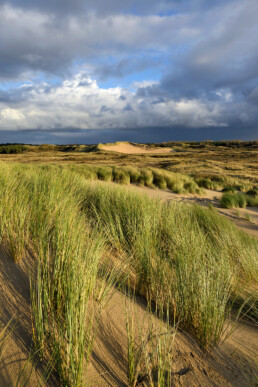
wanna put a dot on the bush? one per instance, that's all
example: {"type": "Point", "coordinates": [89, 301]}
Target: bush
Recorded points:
{"type": "Point", "coordinates": [241, 200]}
{"type": "Point", "coordinates": [190, 186]}
{"type": "Point", "coordinates": [149, 177]}
{"type": "Point", "coordinates": [240, 187]}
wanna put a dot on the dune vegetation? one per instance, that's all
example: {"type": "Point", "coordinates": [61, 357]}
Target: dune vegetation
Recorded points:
{"type": "Point", "coordinates": [212, 164]}
{"type": "Point", "coordinates": [87, 239]}
{"type": "Point", "coordinates": [239, 200]}
{"type": "Point", "coordinates": [148, 177]}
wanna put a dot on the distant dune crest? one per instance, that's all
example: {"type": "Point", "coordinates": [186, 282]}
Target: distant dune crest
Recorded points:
{"type": "Point", "coordinates": [127, 147]}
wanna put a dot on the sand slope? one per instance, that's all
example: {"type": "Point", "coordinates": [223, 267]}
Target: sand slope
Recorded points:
{"type": "Point", "coordinates": [17, 362]}
{"type": "Point", "coordinates": [231, 364]}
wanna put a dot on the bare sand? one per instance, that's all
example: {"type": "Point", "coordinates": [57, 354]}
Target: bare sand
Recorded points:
{"type": "Point", "coordinates": [230, 364]}
{"type": "Point", "coordinates": [17, 361]}
{"type": "Point", "coordinates": [126, 147]}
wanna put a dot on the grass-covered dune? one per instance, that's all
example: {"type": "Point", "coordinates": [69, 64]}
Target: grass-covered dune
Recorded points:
{"type": "Point", "coordinates": [186, 260]}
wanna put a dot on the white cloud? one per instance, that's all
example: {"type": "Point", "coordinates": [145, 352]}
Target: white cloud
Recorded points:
{"type": "Point", "coordinates": [80, 103]}
{"type": "Point", "coordinates": [11, 114]}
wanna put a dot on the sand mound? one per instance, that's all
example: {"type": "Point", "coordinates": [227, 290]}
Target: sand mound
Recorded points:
{"type": "Point", "coordinates": [126, 147]}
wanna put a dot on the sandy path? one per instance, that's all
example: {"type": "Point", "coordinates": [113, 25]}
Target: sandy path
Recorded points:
{"type": "Point", "coordinates": [124, 147]}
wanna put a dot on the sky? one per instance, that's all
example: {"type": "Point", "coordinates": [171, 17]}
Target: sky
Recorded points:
{"type": "Point", "coordinates": [88, 71]}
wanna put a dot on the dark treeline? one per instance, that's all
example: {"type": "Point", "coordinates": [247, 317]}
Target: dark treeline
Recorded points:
{"type": "Point", "coordinates": [205, 144]}
{"type": "Point", "coordinates": [12, 148]}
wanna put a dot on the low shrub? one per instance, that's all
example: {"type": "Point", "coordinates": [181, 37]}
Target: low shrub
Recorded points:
{"type": "Point", "coordinates": [239, 200]}
{"type": "Point", "coordinates": [224, 183]}
{"type": "Point", "coordinates": [149, 177]}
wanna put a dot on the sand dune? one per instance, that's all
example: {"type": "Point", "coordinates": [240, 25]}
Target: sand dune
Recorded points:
{"type": "Point", "coordinates": [126, 147]}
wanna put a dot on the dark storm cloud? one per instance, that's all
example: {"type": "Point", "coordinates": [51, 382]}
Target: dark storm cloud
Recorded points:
{"type": "Point", "coordinates": [157, 134]}
{"type": "Point", "coordinates": [226, 58]}
{"type": "Point", "coordinates": [105, 7]}
{"type": "Point", "coordinates": [34, 39]}
{"type": "Point", "coordinates": [101, 7]}
{"type": "Point", "coordinates": [205, 52]}
{"type": "Point", "coordinates": [4, 96]}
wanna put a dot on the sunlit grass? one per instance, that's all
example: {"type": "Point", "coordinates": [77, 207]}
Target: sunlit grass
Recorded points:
{"type": "Point", "coordinates": [188, 261]}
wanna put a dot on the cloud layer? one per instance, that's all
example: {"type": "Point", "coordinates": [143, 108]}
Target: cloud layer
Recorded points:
{"type": "Point", "coordinates": [125, 65]}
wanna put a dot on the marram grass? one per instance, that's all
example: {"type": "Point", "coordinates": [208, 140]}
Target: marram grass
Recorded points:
{"type": "Point", "coordinates": [186, 259]}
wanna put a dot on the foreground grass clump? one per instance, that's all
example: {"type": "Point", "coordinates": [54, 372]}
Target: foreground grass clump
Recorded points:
{"type": "Point", "coordinates": [40, 211]}
{"type": "Point", "coordinates": [150, 348]}
{"type": "Point", "coordinates": [238, 200]}
{"type": "Point", "coordinates": [180, 254]}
